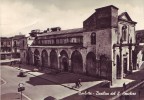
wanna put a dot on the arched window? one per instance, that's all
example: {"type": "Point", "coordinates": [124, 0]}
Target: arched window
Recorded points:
{"type": "Point", "coordinates": [118, 69]}
{"type": "Point", "coordinates": [93, 38]}
{"type": "Point", "coordinates": [124, 33]}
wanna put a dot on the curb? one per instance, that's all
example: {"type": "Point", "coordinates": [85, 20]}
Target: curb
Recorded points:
{"type": "Point", "coordinates": [57, 83]}
{"type": "Point", "coordinates": [49, 80]}
{"type": "Point", "coordinates": [115, 97]}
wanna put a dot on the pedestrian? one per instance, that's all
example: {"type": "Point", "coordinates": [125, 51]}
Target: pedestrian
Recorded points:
{"type": "Point", "coordinates": [124, 86]}
{"type": "Point", "coordinates": [79, 82]}
{"type": "Point", "coordinates": [76, 84]}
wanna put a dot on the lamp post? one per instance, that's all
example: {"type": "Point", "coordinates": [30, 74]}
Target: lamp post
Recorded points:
{"type": "Point", "coordinates": [21, 88]}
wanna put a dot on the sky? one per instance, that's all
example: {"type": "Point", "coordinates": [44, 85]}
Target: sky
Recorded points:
{"type": "Point", "coordinates": [22, 16]}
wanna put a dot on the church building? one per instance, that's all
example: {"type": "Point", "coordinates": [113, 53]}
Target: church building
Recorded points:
{"type": "Point", "coordinates": [104, 47]}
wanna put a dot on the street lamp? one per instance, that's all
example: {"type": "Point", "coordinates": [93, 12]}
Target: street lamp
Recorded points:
{"type": "Point", "coordinates": [21, 88]}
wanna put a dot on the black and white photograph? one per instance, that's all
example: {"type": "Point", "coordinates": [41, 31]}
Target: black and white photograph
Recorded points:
{"type": "Point", "coordinates": [72, 49]}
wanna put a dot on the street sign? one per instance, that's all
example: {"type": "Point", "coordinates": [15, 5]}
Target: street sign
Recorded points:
{"type": "Point", "coordinates": [20, 89]}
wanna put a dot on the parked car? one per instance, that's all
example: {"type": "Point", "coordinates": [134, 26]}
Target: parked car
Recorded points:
{"type": "Point", "coordinates": [22, 74]}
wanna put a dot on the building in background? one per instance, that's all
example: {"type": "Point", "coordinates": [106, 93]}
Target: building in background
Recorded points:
{"type": "Point", "coordinates": [6, 48]}
{"type": "Point", "coordinates": [104, 47]}
{"type": "Point", "coordinates": [16, 45]}
{"type": "Point", "coordinates": [10, 47]}
{"type": "Point", "coordinates": [140, 37]}
{"type": "Point", "coordinates": [140, 48]}
{"type": "Point", "coordinates": [25, 42]}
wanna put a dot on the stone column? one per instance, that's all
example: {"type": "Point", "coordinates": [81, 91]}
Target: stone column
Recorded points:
{"type": "Point", "coordinates": [32, 63]}
{"type": "Point", "coordinates": [121, 65]}
{"type": "Point", "coordinates": [58, 59]}
{"type": "Point", "coordinates": [48, 51]}
{"type": "Point", "coordinates": [40, 57]}
{"type": "Point", "coordinates": [70, 68]}
{"type": "Point", "coordinates": [48, 60]}
{"type": "Point", "coordinates": [84, 64]}
{"type": "Point", "coordinates": [130, 53]}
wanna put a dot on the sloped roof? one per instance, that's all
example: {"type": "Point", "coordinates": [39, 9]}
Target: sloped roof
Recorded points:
{"type": "Point", "coordinates": [120, 17]}
{"type": "Point", "coordinates": [5, 38]}
{"type": "Point", "coordinates": [76, 30]}
{"type": "Point", "coordinates": [140, 34]}
{"type": "Point", "coordinates": [124, 14]}
{"type": "Point", "coordinates": [91, 16]}
{"type": "Point", "coordinates": [140, 31]}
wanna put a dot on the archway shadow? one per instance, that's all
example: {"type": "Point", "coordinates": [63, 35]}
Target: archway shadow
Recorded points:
{"type": "Point", "coordinates": [39, 81]}
{"type": "Point", "coordinates": [59, 79]}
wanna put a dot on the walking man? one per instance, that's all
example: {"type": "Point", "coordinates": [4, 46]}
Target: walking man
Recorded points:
{"type": "Point", "coordinates": [76, 84]}
{"type": "Point", "coordinates": [79, 82]}
{"type": "Point", "coordinates": [124, 86]}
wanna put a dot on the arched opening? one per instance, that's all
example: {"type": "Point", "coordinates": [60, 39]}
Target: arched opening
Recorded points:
{"type": "Point", "coordinates": [29, 57]}
{"type": "Point", "coordinates": [91, 67]}
{"type": "Point", "coordinates": [36, 58]}
{"type": "Point", "coordinates": [44, 59]}
{"type": "Point", "coordinates": [125, 63]}
{"type": "Point", "coordinates": [134, 59]}
{"type": "Point", "coordinates": [53, 59]}
{"type": "Point", "coordinates": [64, 61]}
{"type": "Point", "coordinates": [93, 38]}
{"type": "Point", "coordinates": [77, 62]}
{"type": "Point", "coordinates": [118, 69]}
{"type": "Point", "coordinates": [124, 33]}
{"type": "Point", "coordinates": [103, 66]}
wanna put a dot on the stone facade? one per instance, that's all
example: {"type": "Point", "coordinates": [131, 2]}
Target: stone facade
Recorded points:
{"type": "Point", "coordinates": [6, 48]}
{"type": "Point", "coordinates": [102, 48]}
{"type": "Point", "coordinates": [16, 45]}
{"type": "Point", "coordinates": [24, 43]}
{"type": "Point", "coordinates": [10, 47]}
{"type": "Point", "coordinates": [140, 48]}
